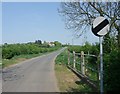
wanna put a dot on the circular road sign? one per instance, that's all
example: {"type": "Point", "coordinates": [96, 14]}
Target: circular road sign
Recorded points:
{"type": "Point", "coordinates": [100, 26]}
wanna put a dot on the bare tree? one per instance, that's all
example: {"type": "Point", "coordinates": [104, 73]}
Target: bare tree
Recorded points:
{"type": "Point", "coordinates": [80, 15]}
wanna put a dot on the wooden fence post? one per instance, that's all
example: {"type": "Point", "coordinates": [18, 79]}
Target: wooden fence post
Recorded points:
{"type": "Point", "coordinates": [74, 59]}
{"type": "Point", "coordinates": [68, 57]}
{"type": "Point", "coordinates": [82, 63]}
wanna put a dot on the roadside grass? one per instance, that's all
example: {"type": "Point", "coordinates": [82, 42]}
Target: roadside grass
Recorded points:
{"type": "Point", "coordinates": [67, 80]}
{"type": "Point", "coordinates": [19, 58]}
{"type": "Point", "coordinates": [0, 56]}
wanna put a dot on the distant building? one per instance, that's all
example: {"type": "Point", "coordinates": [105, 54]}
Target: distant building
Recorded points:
{"type": "Point", "coordinates": [51, 44]}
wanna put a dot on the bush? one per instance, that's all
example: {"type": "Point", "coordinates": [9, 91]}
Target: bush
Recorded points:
{"type": "Point", "coordinates": [112, 71]}
{"type": "Point", "coordinates": [11, 50]}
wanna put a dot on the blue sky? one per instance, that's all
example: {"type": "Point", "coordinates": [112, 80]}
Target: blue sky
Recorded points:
{"type": "Point", "coordinates": [27, 22]}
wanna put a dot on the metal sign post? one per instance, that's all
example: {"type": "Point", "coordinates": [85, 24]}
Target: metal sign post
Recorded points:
{"type": "Point", "coordinates": [100, 28]}
{"type": "Point", "coordinates": [101, 65]}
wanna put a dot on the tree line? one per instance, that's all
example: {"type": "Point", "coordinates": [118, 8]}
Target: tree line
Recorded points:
{"type": "Point", "coordinates": [11, 50]}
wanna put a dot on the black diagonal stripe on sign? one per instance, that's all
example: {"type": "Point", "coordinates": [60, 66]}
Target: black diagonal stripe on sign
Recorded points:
{"type": "Point", "coordinates": [95, 32]}
{"type": "Point", "coordinates": [101, 25]}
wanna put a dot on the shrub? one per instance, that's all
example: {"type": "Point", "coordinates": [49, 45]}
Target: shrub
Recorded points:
{"type": "Point", "coordinates": [112, 71]}
{"type": "Point", "coordinates": [11, 50]}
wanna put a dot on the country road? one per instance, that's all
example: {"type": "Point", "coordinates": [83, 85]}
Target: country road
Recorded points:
{"type": "Point", "coordinates": [34, 75]}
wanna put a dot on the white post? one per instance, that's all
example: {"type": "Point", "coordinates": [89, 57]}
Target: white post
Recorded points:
{"type": "Point", "coordinates": [82, 63]}
{"type": "Point", "coordinates": [74, 59]}
{"type": "Point", "coordinates": [101, 65]}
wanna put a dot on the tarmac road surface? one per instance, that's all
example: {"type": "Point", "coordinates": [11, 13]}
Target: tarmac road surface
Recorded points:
{"type": "Point", "coordinates": [34, 75]}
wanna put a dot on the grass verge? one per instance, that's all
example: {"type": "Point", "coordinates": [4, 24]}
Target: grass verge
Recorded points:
{"type": "Point", "coordinates": [17, 59]}
{"type": "Point", "coordinates": [67, 80]}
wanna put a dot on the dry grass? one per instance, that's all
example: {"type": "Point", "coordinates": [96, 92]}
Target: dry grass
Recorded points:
{"type": "Point", "coordinates": [7, 63]}
{"type": "Point", "coordinates": [68, 81]}
{"type": "Point", "coordinates": [17, 59]}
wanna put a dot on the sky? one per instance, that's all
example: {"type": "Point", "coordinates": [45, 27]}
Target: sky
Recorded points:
{"type": "Point", "coordinates": [24, 22]}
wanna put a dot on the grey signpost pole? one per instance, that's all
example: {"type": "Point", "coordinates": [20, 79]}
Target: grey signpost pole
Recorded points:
{"type": "Point", "coordinates": [101, 65]}
{"type": "Point", "coordinates": [100, 28]}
